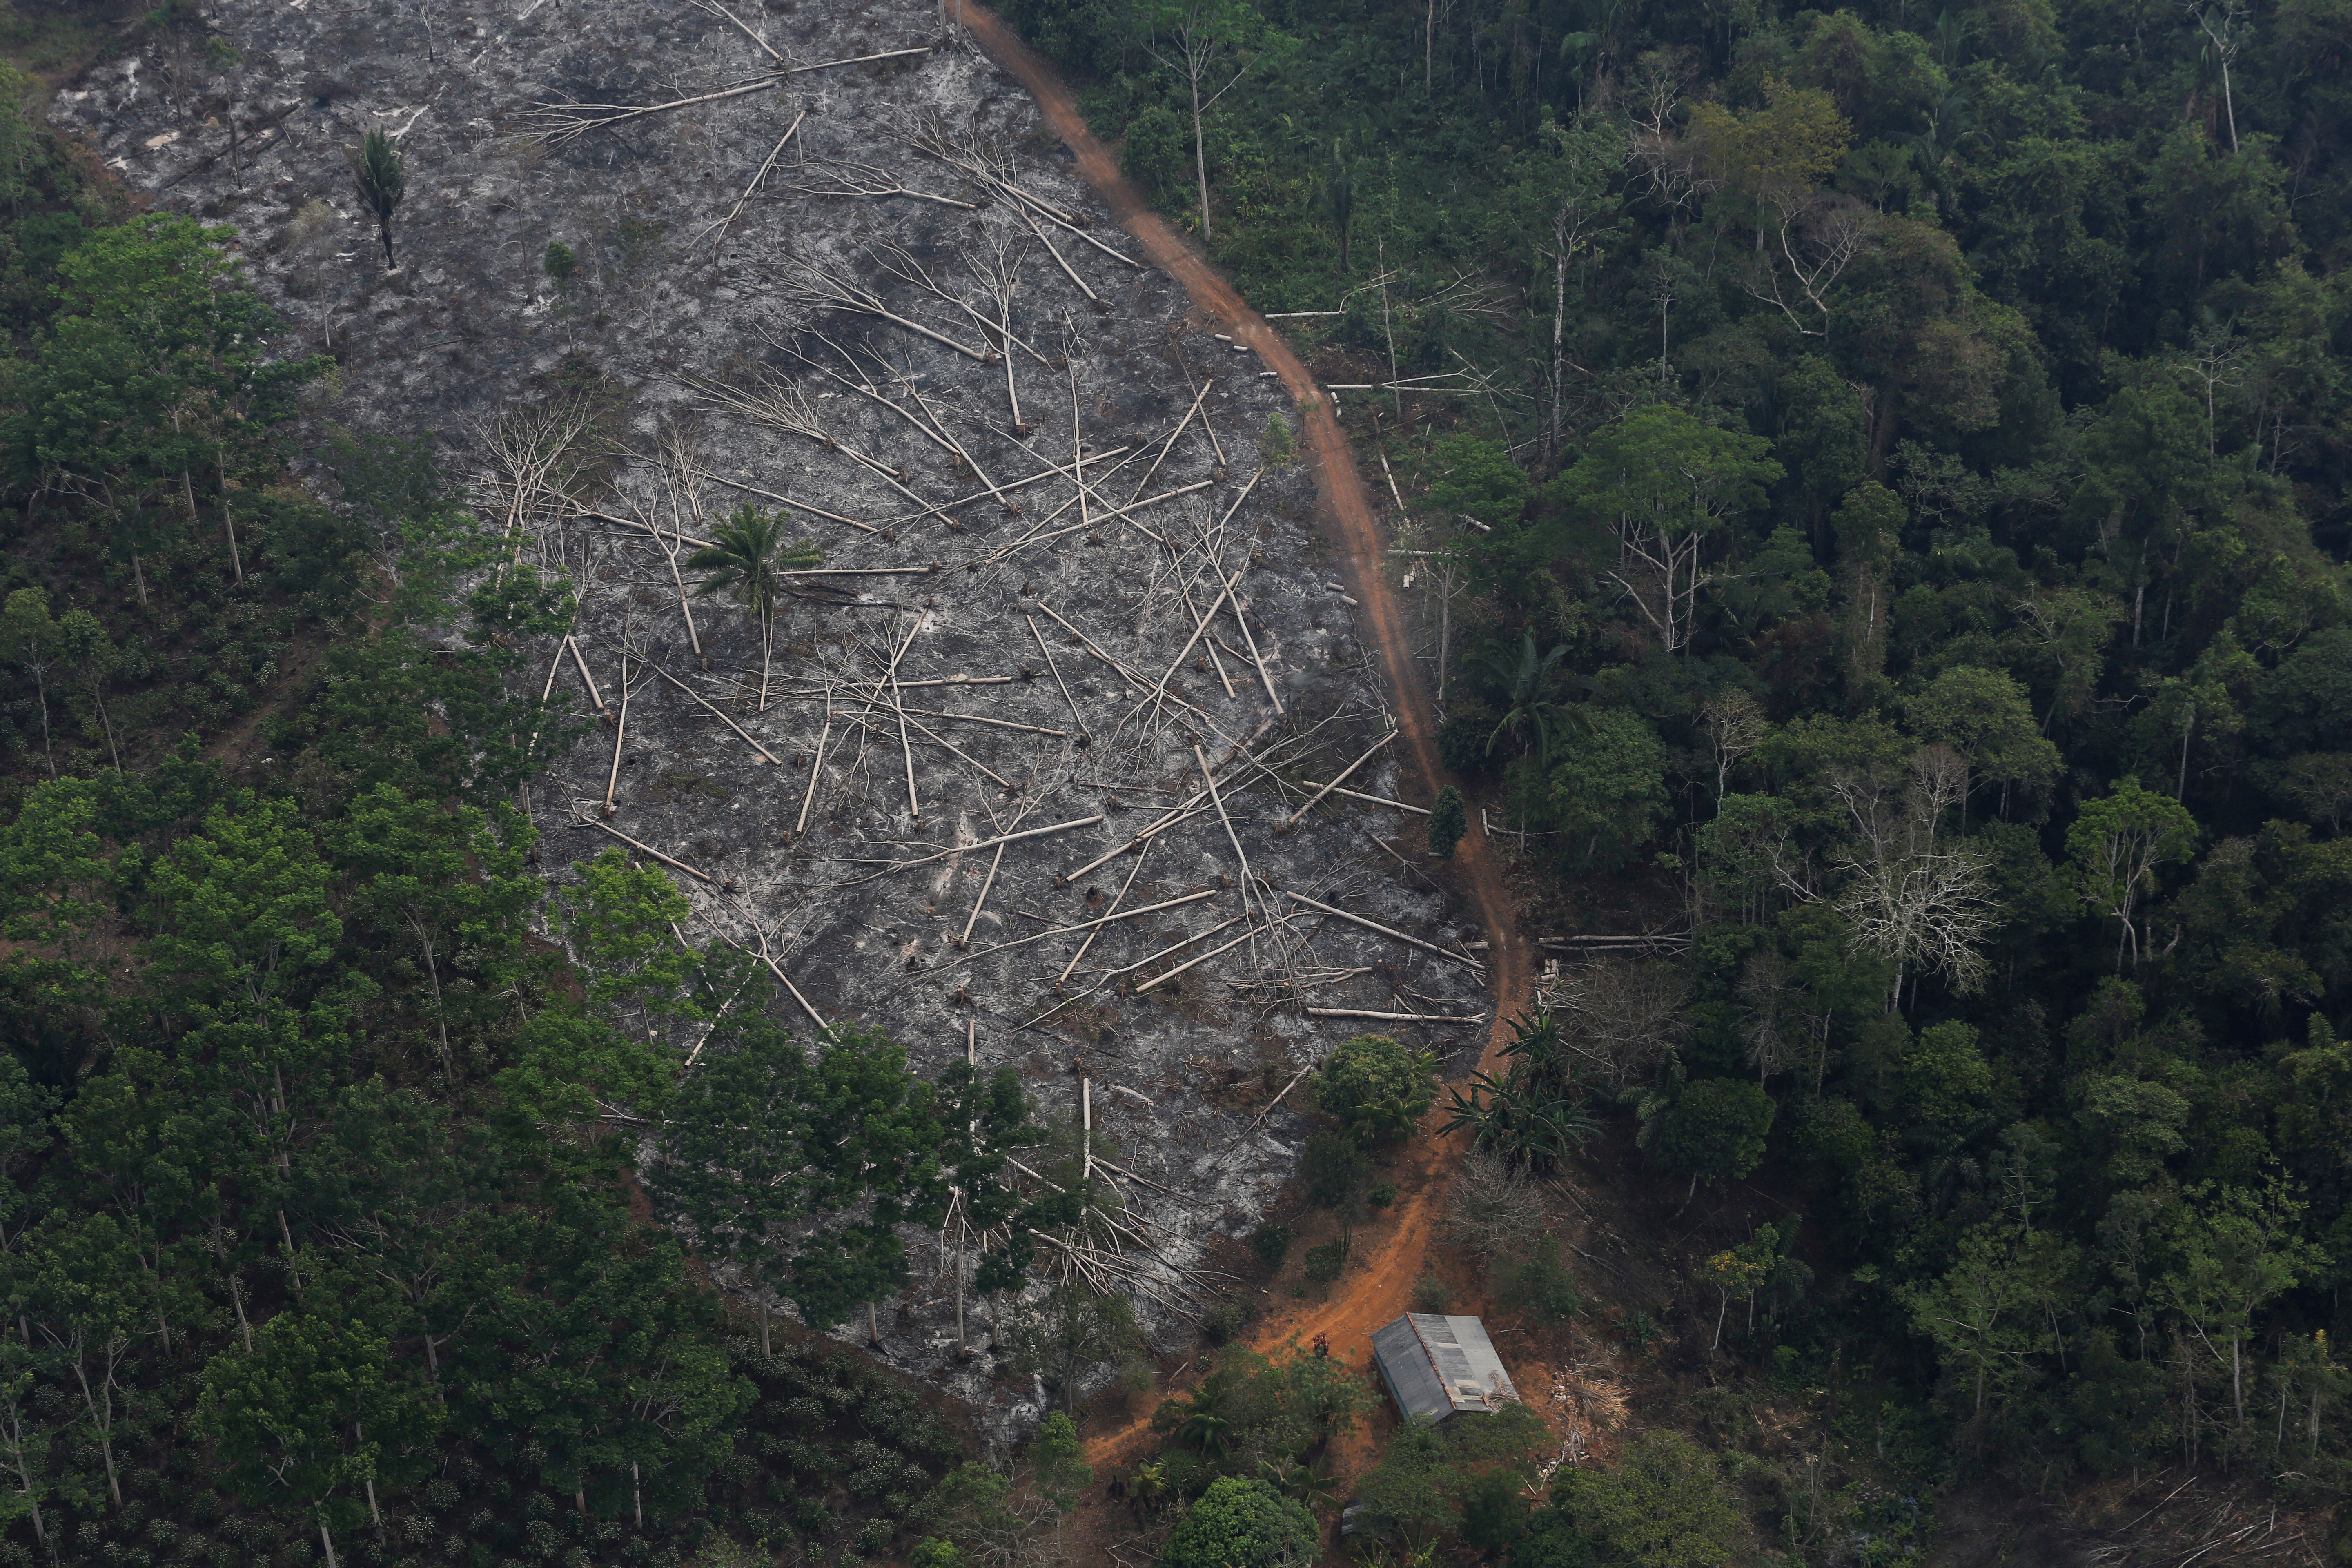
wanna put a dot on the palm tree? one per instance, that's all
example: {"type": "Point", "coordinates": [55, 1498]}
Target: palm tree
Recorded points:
{"type": "Point", "coordinates": [1526, 684]}
{"type": "Point", "coordinates": [748, 553]}
{"type": "Point", "coordinates": [1300, 1482]}
{"type": "Point", "coordinates": [383, 178]}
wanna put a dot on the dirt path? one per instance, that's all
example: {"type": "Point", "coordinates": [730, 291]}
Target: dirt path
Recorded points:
{"type": "Point", "coordinates": [1392, 1255]}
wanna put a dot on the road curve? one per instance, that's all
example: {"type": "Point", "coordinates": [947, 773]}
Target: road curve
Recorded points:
{"type": "Point", "coordinates": [1389, 1257]}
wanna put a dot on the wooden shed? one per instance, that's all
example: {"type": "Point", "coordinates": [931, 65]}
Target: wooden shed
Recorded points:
{"type": "Point", "coordinates": [1441, 1366]}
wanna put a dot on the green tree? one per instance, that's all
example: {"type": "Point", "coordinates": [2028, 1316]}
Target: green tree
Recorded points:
{"type": "Point", "coordinates": [1868, 525]}
{"type": "Point", "coordinates": [1716, 1128]}
{"type": "Point", "coordinates": [156, 369]}
{"type": "Point", "coordinates": [88, 1291]}
{"type": "Point", "coordinates": [1430, 1475]}
{"type": "Point", "coordinates": [1070, 1335]}
{"type": "Point", "coordinates": [380, 173]}
{"type": "Point", "coordinates": [747, 554]}
{"type": "Point", "coordinates": [2117, 844]}
{"type": "Point", "coordinates": [1153, 155]}
{"type": "Point", "coordinates": [1983, 714]}
{"type": "Point", "coordinates": [1242, 1524]}
{"type": "Point", "coordinates": [1605, 792]}
{"type": "Point", "coordinates": [1665, 1506]}
{"type": "Point", "coordinates": [2233, 1250]}
{"type": "Point", "coordinates": [1477, 478]}
{"type": "Point", "coordinates": [1376, 1086]}
{"type": "Point", "coordinates": [1527, 687]}
{"type": "Point", "coordinates": [1665, 484]}
{"type": "Point", "coordinates": [761, 1137]}
{"type": "Point", "coordinates": [313, 1411]}
{"type": "Point", "coordinates": [31, 639]}
{"type": "Point", "coordinates": [617, 921]}
{"type": "Point", "coordinates": [1992, 1313]}
{"type": "Point", "coordinates": [1448, 821]}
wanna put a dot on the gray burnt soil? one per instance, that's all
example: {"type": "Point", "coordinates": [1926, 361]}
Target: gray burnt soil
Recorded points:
{"type": "Point", "coordinates": [1049, 566]}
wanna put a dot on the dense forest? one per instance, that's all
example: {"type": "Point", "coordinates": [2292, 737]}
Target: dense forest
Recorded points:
{"type": "Point", "coordinates": [1888, 472]}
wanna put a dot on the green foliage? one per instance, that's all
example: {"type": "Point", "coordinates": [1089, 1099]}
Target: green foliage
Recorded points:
{"type": "Point", "coordinates": [1154, 154]}
{"type": "Point", "coordinates": [1431, 1477]}
{"type": "Point", "coordinates": [1335, 1169]}
{"type": "Point", "coordinates": [1276, 446]}
{"type": "Point", "coordinates": [1605, 791]}
{"type": "Point", "coordinates": [1069, 1336]}
{"type": "Point", "coordinates": [1665, 1506]}
{"type": "Point", "coordinates": [1271, 1244]}
{"type": "Point", "coordinates": [1241, 1524]}
{"type": "Point", "coordinates": [1448, 821]}
{"type": "Point", "coordinates": [380, 173]}
{"type": "Point", "coordinates": [1716, 1128]}
{"type": "Point", "coordinates": [1249, 1407]}
{"type": "Point", "coordinates": [286, 1413]}
{"type": "Point", "coordinates": [1376, 1087]}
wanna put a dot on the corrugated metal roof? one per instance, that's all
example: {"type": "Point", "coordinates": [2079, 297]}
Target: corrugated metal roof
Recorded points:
{"type": "Point", "coordinates": [1440, 1366]}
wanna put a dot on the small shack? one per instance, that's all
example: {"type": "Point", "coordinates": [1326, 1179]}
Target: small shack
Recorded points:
{"type": "Point", "coordinates": [1441, 1366]}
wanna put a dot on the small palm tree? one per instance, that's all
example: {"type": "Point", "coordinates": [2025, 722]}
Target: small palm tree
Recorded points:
{"type": "Point", "coordinates": [383, 178]}
{"type": "Point", "coordinates": [1300, 1482]}
{"type": "Point", "coordinates": [748, 553]}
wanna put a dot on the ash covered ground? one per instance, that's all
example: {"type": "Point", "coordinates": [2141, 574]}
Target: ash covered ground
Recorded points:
{"type": "Point", "coordinates": [876, 294]}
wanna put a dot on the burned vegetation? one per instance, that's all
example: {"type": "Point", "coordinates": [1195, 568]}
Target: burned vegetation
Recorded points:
{"type": "Point", "coordinates": [930, 609]}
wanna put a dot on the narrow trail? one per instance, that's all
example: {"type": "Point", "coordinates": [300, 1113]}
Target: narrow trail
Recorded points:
{"type": "Point", "coordinates": [1390, 1254]}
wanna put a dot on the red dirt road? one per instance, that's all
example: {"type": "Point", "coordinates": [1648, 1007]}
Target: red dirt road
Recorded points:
{"type": "Point", "coordinates": [1392, 1254]}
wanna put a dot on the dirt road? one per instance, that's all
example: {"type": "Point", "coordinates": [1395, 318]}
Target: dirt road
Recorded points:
{"type": "Point", "coordinates": [1392, 1255]}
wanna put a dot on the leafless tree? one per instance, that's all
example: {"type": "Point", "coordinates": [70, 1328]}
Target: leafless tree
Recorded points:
{"type": "Point", "coordinates": [1494, 1209]}
{"type": "Point", "coordinates": [1914, 898]}
{"type": "Point", "coordinates": [1734, 725]}
{"type": "Point", "coordinates": [1621, 1016]}
{"type": "Point", "coordinates": [1819, 236]}
{"type": "Point", "coordinates": [1667, 165]}
{"type": "Point", "coordinates": [1199, 46]}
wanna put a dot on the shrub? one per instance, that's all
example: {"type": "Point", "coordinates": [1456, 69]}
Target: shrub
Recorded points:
{"type": "Point", "coordinates": [1431, 1294]}
{"type": "Point", "coordinates": [1382, 1194]}
{"type": "Point", "coordinates": [1715, 1130]}
{"type": "Point", "coordinates": [1223, 1321]}
{"type": "Point", "coordinates": [1537, 1284]}
{"type": "Point", "coordinates": [1662, 1507]}
{"type": "Point", "coordinates": [1276, 447]}
{"type": "Point", "coordinates": [1448, 821]}
{"type": "Point", "coordinates": [1334, 1169]}
{"type": "Point", "coordinates": [1242, 1524]}
{"type": "Point", "coordinates": [1271, 1242]}
{"type": "Point", "coordinates": [1376, 1086]}
{"type": "Point", "coordinates": [1154, 156]}
{"type": "Point", "coordinates": [1324, 1263]}
{"type": "Point", "coordinates": [1462, 740]}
